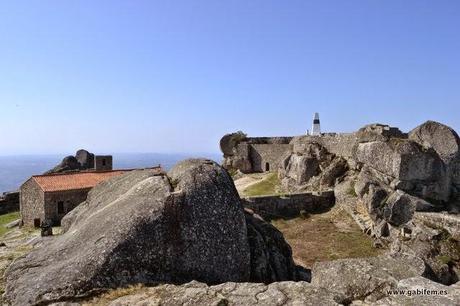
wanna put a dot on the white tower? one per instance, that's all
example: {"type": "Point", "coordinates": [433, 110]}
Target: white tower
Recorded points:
{"type": "Point", "coordinates": [316, 128]}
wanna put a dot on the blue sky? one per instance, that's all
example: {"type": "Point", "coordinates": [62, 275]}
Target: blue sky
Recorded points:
{"type": "Point", "coordinates": [174, 76]}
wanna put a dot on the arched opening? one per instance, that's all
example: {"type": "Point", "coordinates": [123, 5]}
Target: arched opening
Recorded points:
{"type": "Point", "coordinates": [267, 167]}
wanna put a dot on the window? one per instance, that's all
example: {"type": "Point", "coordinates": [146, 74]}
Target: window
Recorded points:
{"type": "Point", "coordinates": [37, 222]}
{"type": "Point", "coordinates": [103, 162]}
{"type": "Point", "coordinates": [267, 167]}
{"type": "Point", "coordinates": [60, 207]}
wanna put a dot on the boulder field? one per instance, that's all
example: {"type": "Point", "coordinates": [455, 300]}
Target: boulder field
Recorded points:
{"type": "Point", "coordinates": [402, 189]}
{"type": "Point", "coordinates": [148, 228]}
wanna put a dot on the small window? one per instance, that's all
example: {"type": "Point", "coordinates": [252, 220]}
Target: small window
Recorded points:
{"type": "Point", "coordinates": [60, 207]}
{"type": "Point", "coordinates": [37, 222]}
{"type": "Point", "coordinates": [267, 167]}
{"type": "Point", "coordinates": [103, 162]}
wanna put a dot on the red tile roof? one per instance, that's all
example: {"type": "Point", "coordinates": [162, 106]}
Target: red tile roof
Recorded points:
{"type": "Point", "coordinates": [76, 180]}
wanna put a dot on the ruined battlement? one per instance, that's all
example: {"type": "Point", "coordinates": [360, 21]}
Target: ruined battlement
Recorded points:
{"type": "Point", "coordinates": [260, 154]}
{"type": "Point", "coordinates": [290, 205]}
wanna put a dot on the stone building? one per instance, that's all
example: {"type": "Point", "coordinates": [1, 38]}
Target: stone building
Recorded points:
{"type": "Point", "coordinates": [103, 162]}
{"type": "Point", "coordinates": [254, 154]}
{"type": "Point", "coordinates": [52, 196]}
{"type": "Point", "coordinates": [83, 160]}
{"type": "Point", "coordinates": [259, 154]}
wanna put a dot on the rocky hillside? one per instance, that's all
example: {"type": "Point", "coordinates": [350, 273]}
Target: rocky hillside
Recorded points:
{"type": "Point", "coordinates": [184, 238]}
{"type": "Point", "coordinates": [148, 228]}
{"type": "Point", "coordinates": [403, 189]}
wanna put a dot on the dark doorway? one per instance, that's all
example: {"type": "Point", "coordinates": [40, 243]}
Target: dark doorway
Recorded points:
{"type": "Point", "coordinates": [60, 207]}
{"type": "Point", "coordinates": [37, 222]}
{"type": "Point", "coordinates": [267, 167]}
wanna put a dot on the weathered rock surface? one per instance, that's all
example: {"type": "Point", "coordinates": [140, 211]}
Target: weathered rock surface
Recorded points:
{"type": "Point", "coordinates": [417, 291]}
{"type": "Point", "coordinates": [271, 256]}
{"type": "Point", "coordinates": [408, 162]}
{"type": "Point", "coordinates": [365, 278]}
{"type": "Point", "coordinates": [314, 168]}
{"type": "Point", "coordinates": [276, 294]}
{"type": "Point", "coordinates": [302, 168]}
{"type": "Point", "coordinates": [399, 208]}
{"type": "Point", "coordinates": [443, 139]}
{"type": "Point", "coordinates": [229, 141]}
{"type": "Point", "coordinates": [379, 132]}
{"type": "Point", "coordinates": [146, 228]}
{"type": "Point", "coordinates": [437, 247]}
{"type": "Point", "coordinates": [448, 222]}
{"type": "Point", "coordinates": [374, 200]}
{"type": "Point", "coordinates": [85, 159]}
{"type": "Point", "coordinates": [446, 142]}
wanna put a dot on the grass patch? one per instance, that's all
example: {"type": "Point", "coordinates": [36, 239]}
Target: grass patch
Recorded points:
{"type": "Point", "coordinates": [351, 190]}
{"type": "Point", "coordinates": [114, 294]}
{"type": "Point", "coordinates": [323, 237]}
{"type": "Point", "coordinates": [7, 218]}
{"type": "Point", "coordinates": [444, 259]}
{"type": "Point", "coordinates": [267, 186]}
{"type": "Point", "coordinates": [232, 172]}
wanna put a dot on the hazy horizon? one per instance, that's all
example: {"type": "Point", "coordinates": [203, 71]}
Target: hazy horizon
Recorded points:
{"type": "Point", "coordinates": [175, 76]}
{"type": "Point", "coordinates": [15, 170]}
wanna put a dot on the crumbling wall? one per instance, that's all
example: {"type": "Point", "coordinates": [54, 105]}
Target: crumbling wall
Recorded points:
{"type": "Point", "coordinates": [339, 144]}
{"type": "Point", "coordinates": [291, 205]}
{"type": "Point", "coordinates": [252, 154]}
{"type": "Point", "coordinates": [9, 202]}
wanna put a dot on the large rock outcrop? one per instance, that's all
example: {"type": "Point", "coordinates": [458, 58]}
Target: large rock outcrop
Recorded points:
{"type": "Point", "coordinates": [82, 160]}
{"type": "Point", "coordinates": [365, 278]}
{"type": "Point", "coordinates": [271, 256]}
{"type": "Point", "coordinates": [312, 168]}
{"type": "Point", "coordinates": [146, 228]}
{"type": "Point", "coordinates": [418, 291]}
{"type": "Point", "coordinates": [419, 171]}
{"type": "Point", "coordinates": [276, 294]}
{"type": "Point", "coordinates": [443, 139]}
{"type": "Point", "coordinates": [446, 142]}
{"type": "Point", "coordinates": [389, 177]}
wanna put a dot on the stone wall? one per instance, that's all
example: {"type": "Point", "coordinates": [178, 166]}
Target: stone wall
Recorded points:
{"type": "Point", "coordinates": [103, 162]}
{"type": "Point", "coordinates": [9, 202]}
{"type": "Point", "coordinates": [242, 150]}
{"type": "Point", "coordinates": [70, 199]}
{"type": "Point", "coordinates": [268, 140]}
{"type": "Point", "coordinates": [339, 144]}
{"type": "Point", "coordinates": [267, 157]}
{"type": "Point", "coordinates": [289, 206]}
{"type": "Point", "coordinates": [251, 154]}
{"type": "Point", "coordinates": [31, 203]}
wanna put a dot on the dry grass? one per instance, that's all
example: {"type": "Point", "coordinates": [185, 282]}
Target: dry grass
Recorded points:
{"type": "Point", "coordinates": [323, 237]}
{"type": "Point", "coordinates": [114, 294]}
{"type": "Point", "coordinates": [7, 218]}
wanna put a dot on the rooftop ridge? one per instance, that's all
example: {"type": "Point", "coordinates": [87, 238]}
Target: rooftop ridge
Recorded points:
{"type": "Point", "coordinates": [94, 171]}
